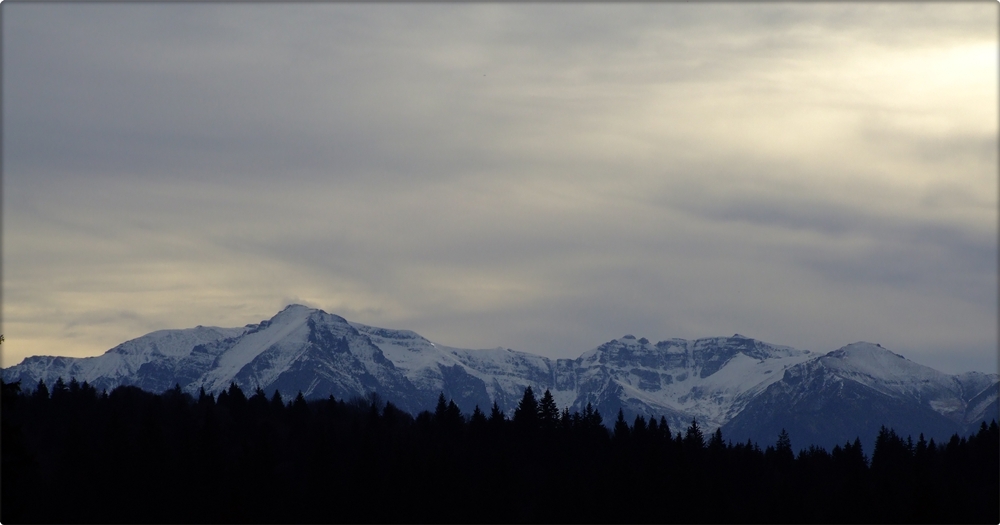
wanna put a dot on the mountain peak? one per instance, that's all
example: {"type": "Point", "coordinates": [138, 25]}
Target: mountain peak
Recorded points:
{"type": "Point", "coordinates": [874, 360]}
{"type": "Point", "coordinates": [299, 313]}
{"type": "Point", "coordinates": [296, 308]}
{"type": "Point", "coordinates": [864, 348]}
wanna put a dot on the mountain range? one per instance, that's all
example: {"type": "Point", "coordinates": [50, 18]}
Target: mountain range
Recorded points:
{"type": "Point", "coordinates": [749, 388]}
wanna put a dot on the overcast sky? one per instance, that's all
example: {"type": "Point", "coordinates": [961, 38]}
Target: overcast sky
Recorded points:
{"type": "Point", "coordinates": [542, 177]}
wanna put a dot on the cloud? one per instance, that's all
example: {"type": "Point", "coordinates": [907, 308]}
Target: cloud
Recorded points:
{"type": "Point", "coordinates": [541, 177]}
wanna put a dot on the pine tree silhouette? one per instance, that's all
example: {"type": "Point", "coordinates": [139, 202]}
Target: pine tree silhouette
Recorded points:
{"type": "Point", "coordinates": [41, 391]}
{"type": "Point", "coordinates": [548, 412]}
{"type": "Point", "coordinates": [526, 413]}
{"type": "Point", "coordinates": [783, 447]}
{"type": "Point", "coordinates": [497, 416]}
{"type": "Point", "coordinates": [693, 438]}
{"type": "Point", "coordinates": [478, 419]}
{"type": "Point", "coordinates": [621, 431]}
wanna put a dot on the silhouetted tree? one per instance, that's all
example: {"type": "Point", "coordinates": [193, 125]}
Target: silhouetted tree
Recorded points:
{"type": "Point", "coordinates": [205, 399]}
{"type": "Point", "coordinates": [621, 431]}
{"type": "Point", "coordinates": [168, 458]}
{"type": "Point", "coordinates": [783, 447]}
{"type": "Point", "coordinates": [441, 409]}
{"type": "Point", "coordinates": [639, 430]}
{"type": "Point", "coordinates": [592, 417]}
{"type": "Point", "coordinates": [526, 413]}
{"type": "Point", "coordinates": [693, 438]}
{"type": "Point", "coordinates": [497, 416]}
{"type": "Point", "coordinates": [258, 400]}
{"type": "Point", "coordinates": [41, 391]}
{"type": "Point", "coordinates": [715, 443]}
{"type": "Point", "coordinates": [664, 427]}
{"type": "Point", "coordinates": [277, 403]}
{"type": "Point", "coordinates": [59, 389]}
{"type": "Point", "coordinates": [566, 419]}
{"type": "Point", "coordinates": [454, 415]}
{"type": "Point", "coordinates": [478, 419]}
{"type": "Point", "coordinates": [548, 412]}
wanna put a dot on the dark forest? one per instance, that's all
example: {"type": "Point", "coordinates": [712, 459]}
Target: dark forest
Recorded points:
{"type": "Point", "coordinates": [74, 455]}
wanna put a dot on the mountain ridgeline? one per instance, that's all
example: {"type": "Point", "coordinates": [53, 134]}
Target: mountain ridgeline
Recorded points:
{"type": "Point", "coordinates": [749, 388]}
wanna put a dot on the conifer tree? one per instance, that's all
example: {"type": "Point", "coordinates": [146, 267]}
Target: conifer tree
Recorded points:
{"type": "Point", "coordinates": [921, 447]}
{"type": "Point", "coordinates": [235, 392]}
{"type": "Point", "coordinates": [453, 415]}
{"type": "Point", "coordinates": [300, 402]}
{"type": "Point", "coordinates": [588, 415]}
{"type": "Point", "coordinates": [526, 413]}
{"type": "Point", "coordinates": [277, 404]}
{"type": "Point", "coordinates": [41, 391]}
{"type": "Point", "coordinates": [59, 389]}
{"type": "Point", "coordinates": [478, 424]}
{"type": "Point", "coordinates": [621, 430]}
{"type": "Point", "coordinates": [784, 445]}
{"type": "Point", "coordinates": [565, 419]}
{"type": "Point", "coordinates": [693, 438]}
{"type": "Point", "coordinates": [548, 412]}
{"type": "Point", "coordinates": [258, 401]}
{"type": "Point", "coordinates": [639, 423]}
{"type": "Point", "coordinates": [88, 391]}
{"type": "Point", "coordinates": [715, 443]}
{"type": "Point", "coordinates": [441, 409]}
{"type": "Point", "coordinates": [298, 410]}
{"type": "Point", "coordinates": [478, 419]}
{"type": "Point", "coordinates": [222, 399]}
{"type": "Point", "coordinates": [393, 415]}
{"type": "Point", "coordinates": [205, 399]}
{"type": "Point", "coordinates": [497, 416]}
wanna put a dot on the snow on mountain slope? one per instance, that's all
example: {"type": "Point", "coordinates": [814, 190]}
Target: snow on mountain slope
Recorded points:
{"type": "Point", "coordinates": [973, 383]}
{"type": "Point", "coordinates": [983, 406]}
{"type": "Point", "coordinates": [288, 329]}
{"type": "Point", "coordinates": [308, 351]}
{"type": "Point", "coordinates": [894, 375]}
{"type": "Point", "coordinates": [708, 378]}
{"type": "Point", "coordinates": [713, 379]}
{"type": "Point", "coordinates": [504, 374]}
{"type": "Point", "coordinates": [121, 363]}
{"type": "Point", "coordinates": [411, 353]}
{"type": "Point", "coordinates": [853, 391]}
{"type": "Point", "coordinates": [508, 372]}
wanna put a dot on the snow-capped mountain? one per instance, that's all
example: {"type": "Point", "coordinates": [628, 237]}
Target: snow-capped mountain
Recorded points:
{"type": "Point", "coordinates": [853, 391]}
{"type": "Point", "coordinates": [744, 385]}
{"type": "Point", "coordinates": [299, 349]}
{"type": "Point", "coordinates": [711, 379]}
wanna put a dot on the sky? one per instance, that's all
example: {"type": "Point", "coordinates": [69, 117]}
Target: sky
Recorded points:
{"type": "Point", "coordinates": [541, 177]}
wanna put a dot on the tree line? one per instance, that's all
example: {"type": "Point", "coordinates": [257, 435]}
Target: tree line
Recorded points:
{"type": "Point", "coordinates": [71, 454]}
